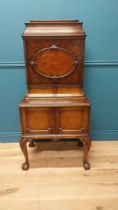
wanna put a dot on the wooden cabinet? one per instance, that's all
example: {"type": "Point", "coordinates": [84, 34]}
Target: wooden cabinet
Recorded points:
{"type": "Point", "coordinates": [54, 106]}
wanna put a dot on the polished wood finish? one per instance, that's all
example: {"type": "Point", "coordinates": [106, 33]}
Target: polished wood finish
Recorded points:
{"type": "Point", "coordinates": [54, 106]}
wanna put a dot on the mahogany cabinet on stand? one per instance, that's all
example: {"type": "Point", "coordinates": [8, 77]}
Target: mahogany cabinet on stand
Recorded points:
{"type": "Point", "coordinates": [54, 106]}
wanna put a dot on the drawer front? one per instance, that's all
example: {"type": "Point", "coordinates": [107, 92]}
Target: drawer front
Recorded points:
{"type": "Point", "coordinates": [37, 120]}
{"type": "Point", "coordinates": [73, 120]}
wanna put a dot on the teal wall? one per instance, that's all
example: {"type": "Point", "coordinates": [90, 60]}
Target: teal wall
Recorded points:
{"type": "Point", "coordinates": [101, 59]}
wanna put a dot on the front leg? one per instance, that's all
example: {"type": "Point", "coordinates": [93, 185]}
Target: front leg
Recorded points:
{"type": "Point", "coordinates": [23, 146]}
{"type": "Point", "coordinates": [87, 145]}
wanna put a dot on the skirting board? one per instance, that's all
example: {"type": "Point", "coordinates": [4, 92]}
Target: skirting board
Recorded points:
{"type": "Point", "coordinates": [96, 135]}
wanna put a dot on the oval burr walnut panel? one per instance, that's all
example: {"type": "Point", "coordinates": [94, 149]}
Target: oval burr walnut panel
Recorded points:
{"type": "Point", "coordinates": [54, 62]}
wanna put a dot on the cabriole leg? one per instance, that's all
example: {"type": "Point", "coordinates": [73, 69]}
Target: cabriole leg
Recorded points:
{"type": "Point", "coordinates": [87, 145]}
{"type": "Point", "coordinates": [23, 146]}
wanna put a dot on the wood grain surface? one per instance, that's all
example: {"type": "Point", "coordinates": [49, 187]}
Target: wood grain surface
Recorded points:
{"type": "Point", "coordinates": [57, 180]}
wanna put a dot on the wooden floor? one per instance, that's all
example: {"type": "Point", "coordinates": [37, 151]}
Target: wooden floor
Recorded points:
{"type": "Point", "coordinates": [56, 179]}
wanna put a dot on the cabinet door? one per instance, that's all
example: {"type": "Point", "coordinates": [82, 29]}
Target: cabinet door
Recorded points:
{"type": "Point", "coordinates": [37, 120]}
{"type": "Point", "coordinates": [73, 120]}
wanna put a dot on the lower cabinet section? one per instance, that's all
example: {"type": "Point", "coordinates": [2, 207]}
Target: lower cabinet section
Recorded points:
{"type": "Point", "coordinates": [54, 120]}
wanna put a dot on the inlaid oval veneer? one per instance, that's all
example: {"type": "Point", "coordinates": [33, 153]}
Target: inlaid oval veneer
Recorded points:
{"type": "Point", "coordinates": [54, 62]}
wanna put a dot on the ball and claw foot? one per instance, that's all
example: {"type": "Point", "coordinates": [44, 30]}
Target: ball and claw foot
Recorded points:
{"type": "Point", "coordinates": [25, 166]}
{"type": "Point", "coordinates": [86, 165]}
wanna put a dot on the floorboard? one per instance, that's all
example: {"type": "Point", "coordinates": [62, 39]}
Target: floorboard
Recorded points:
{"type": "Point", "coordinates": [56, 179]}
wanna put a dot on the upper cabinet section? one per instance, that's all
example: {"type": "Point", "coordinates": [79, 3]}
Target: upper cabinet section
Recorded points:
{"type": "Point", "coordinates": [61, 28]}
{"type": "Point", "coordinates": [54, 53]}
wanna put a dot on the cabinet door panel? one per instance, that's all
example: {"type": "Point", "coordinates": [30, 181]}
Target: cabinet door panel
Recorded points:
{"type": "Point", "coordinates": [39, 120]}
{"type": "Point", "coordinates": [73, 119]}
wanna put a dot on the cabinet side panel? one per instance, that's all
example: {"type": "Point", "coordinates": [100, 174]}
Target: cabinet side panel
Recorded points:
{"type": "Point", "coordinates": [86, 118]}
{"type": "Point", "coordinates": [23, 121]}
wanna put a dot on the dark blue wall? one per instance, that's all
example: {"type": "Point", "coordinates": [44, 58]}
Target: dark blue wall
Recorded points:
{"type": "Point", "coordinates": [101, 59]}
